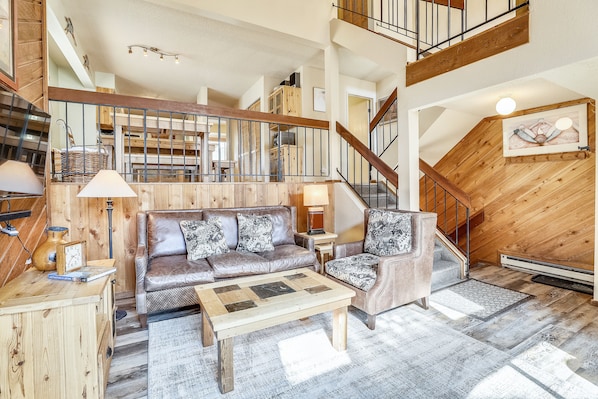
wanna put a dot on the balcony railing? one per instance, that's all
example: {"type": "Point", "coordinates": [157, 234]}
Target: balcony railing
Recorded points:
{"type": "Point", "coordinates": [149, 140]}
{"type": "Point", "coordinates": [428, 25]}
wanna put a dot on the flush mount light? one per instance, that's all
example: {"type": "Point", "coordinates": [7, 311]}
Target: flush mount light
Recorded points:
{"type": "Point", "coordinates": [563, 123]}
{"type": "Point", "coordinates": [505, 106]}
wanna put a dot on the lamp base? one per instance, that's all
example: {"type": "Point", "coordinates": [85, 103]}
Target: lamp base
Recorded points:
{"type": "Point", "coordinates": [315, 220]}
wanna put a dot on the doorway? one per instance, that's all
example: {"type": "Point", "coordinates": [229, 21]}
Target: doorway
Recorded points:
{"type": "Point", "coordinates": [358, 117]}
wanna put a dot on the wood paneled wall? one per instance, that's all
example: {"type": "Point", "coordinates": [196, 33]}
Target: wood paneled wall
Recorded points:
{"type": "Point", "coordinates": [30, 57]}
{"type": "Point", "coordinates": [87, 220]}
{"type": "Point", "coordinates": [538, 207]}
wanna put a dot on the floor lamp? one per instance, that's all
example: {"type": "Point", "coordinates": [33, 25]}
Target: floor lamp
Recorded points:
{"type": "Point", "coordinates": [108, 184]}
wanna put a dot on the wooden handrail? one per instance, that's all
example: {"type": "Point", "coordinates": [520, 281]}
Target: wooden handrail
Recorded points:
{"type": "Point", "coordinates": [365, 152]}
{"type": "Point", "coordinates": [385, 107]}
{"type": "Point", "coordinates": [118, 100]}
{"type": "Point", "coordinates": [455, 191]}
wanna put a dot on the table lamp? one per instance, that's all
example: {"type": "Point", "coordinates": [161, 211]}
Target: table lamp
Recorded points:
{"type": "Point", "coordinates": [315, 197]}
{"type": "Point", "coordinates": [107, 184]}
{"type": "Point", "coordinates": [16, 178]}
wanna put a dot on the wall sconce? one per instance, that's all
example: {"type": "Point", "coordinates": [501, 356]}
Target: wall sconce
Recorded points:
{"type": "Point", "coordinates": [505, 106]}
{"type": "Point", "coordinates": [16, 177]}
{"type": "Point", "coordinates": [315, 197]}
{"type": "Point", "coordinates": [154, 50]}
{"type": "Point", "coordinates": [107, 184]}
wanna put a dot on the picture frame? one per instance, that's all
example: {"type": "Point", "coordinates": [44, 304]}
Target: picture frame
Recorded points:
{"type": "Point", "coordinates": [8, 35]}
{"type": "Point", "coordinates": [319, 99]}
{"type": "Point", "coordinates": [70, 256]}
{"type": "Point", "coordinates": [539, 133]}
{"type": "Point", "coordinates": [392, 113]}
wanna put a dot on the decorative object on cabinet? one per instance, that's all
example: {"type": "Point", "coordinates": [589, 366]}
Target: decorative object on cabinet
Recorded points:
{"type": "Point", "coordinates": [107, 184]}
{"type": "Point", "coordinates": [44, 256]}
{"type": "Point", "coordinates": [70, 256]}
{"type": "Point", "coordinates": [16, 178]}
{"type": "Point", "coordinates": [46, 359]}
{"type": "Point", "coordinates": [315, 196]}
{"type": "Point", "coordinates": [548, 132]}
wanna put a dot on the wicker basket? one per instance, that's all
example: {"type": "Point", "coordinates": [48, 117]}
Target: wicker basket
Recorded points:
{"type": "Point", "coordinates": [80, 164]}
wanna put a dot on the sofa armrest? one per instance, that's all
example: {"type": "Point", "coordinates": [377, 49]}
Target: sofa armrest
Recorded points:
{"type": "Point", "coordinates": [347, 249]}
{"type": "Point", "coordinates": [141, 265]}
{"type": "Point", "coordinates": [305, 242]}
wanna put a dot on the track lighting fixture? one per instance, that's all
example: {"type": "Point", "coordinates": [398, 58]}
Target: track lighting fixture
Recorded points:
{"type": "Point", "coordinates": [154, 50]}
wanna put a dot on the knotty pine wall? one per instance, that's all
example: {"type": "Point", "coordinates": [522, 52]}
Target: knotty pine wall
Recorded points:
{"type": "Point", "coordinates": [87, 220]}
{"type": "Point", "coordinates": [30, 57]}
{"type": "Point", "coordinates": [539, 207]}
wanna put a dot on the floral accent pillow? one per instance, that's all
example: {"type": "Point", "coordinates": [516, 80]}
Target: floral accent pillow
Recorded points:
{"type": "Point", "coordinates": [203, 238]}
{"type": "Point", "coordinates": [388, 233]}
{"type": "Point", "coordinates": [255, 233]}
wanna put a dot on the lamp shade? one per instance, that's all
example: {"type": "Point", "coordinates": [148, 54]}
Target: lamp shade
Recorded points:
{"type": "Point", "coordinates": [18, 177]}
{"type": "Point", "coordinates": [107, 184]}
{"type": "Point", "coordinates": [315, 195]}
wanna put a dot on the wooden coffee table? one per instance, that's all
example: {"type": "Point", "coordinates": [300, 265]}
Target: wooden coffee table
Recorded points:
{"type": "Point", "coordinates": [239, 306]}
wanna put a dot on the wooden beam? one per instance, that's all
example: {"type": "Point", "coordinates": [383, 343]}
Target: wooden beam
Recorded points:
{"type": "Point", "coordinates": [503, 37]}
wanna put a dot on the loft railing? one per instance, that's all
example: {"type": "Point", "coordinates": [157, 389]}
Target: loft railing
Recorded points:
{"type": "Point", "coordinates": [428, 25]}
{"type": "Point", "coordinates": [148, 140]}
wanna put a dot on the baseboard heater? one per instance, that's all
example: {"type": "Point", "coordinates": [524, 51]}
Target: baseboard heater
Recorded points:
{"type": "Point", "coordinates": [547, 269]}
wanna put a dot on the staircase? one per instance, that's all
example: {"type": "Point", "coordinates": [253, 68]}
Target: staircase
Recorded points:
{"type": "Point", "coordinates": [376, 195]}
{"type": "Point", "coordinates": [446, 270]}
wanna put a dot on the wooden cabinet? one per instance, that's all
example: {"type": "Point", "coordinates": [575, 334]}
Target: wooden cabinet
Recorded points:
{"type": "Point", "coordinates": [56, 337]}
{"type": "Point", "coordinates": [286, 100]}
{"type": "Point", "coordinates": [286, 165]}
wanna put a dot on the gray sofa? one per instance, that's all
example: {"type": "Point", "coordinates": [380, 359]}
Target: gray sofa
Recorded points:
{"type": "Point", "coordinates": [165, 277]}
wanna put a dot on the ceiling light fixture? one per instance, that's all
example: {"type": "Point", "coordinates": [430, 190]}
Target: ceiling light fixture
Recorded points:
{"type": "Point", "coordinates": [155, 50]}
{"type": "Point", "coordinates": [505, 106]}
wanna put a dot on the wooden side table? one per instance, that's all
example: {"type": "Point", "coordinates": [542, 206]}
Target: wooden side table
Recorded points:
{"type": "Point", "coordinates": [324, 244]}
{"type": "Point", "coordinates": [57, 336]}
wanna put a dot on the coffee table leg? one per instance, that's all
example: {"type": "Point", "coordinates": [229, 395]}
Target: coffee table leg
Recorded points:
{"type": "Point", "coordinates": [339, 328]}
{"type": "Point", "coordinates": [207, 335]}
{"type": "Point", "coordinates": [226, 377]}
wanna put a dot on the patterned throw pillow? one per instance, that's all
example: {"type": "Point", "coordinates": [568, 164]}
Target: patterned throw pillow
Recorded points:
{"type": "Point", "coordinates": [255, 233]}
{"type": "Point", "coordinates": [203, 238]}
{"type": "Point", "coordinates": [388, 233]}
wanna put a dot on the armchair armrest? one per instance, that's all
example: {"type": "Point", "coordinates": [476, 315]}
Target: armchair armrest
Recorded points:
{"type": "Point", "coordinates": [141, 265]}
{"type": "Point", "coordinates": [305, 242]}
{"type": "Point", "coordinates": [347, 249]}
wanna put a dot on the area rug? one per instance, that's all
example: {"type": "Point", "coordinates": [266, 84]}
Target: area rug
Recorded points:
{"type": "Point", "coordinates": [409, 355]}
{"type": "Point", "coordinates": [478, 299]}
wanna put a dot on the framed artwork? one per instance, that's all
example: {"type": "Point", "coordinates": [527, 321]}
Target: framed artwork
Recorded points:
{"type": "Point", "coordinates": [558, 130]}
{"type": "Point", "coordinates": [319, 99]}
{"type": "Point", "coordinates": [70, 256]}
{"type": "Point", "coordinates": [391, 114]}
{"type": "Point", "coordinates": [8, 43]}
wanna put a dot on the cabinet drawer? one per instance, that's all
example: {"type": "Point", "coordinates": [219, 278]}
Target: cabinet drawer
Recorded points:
{"type": "Point", "coordinates": [105, 352]}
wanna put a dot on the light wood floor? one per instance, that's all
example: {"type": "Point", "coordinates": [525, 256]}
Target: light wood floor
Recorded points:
{"type": "Point", "coordinates": [564, 318]}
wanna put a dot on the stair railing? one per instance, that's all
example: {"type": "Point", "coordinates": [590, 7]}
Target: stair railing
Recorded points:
{"type": "Point", "coordinates": [451, 204]}
{"type": "Point", "coordinates": [360, 167]}
{"type": "Point", "coordinates": [428, 25]}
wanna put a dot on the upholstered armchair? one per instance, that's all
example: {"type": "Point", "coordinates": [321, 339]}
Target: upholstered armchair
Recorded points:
{"type": "Point", "coordinates": [392, 265]}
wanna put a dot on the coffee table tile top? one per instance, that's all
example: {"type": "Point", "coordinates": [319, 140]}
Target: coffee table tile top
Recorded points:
{"type": "Point", "coordinates": [268, 290]}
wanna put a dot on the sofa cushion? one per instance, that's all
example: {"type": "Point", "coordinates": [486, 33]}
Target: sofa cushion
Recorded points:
{"type": "Point", "coordinates": [176, 271]}
{"type": "Point", "coordinates": [282, 223]}
{"type": "Point", "coordinates": [203, 238]}
{"type": "Point", "coordinates": [287, 257]}
{"type": "Point", "coordinates": [357, 270]}
{"type": "Point", "coordinates": [388, 233]}
{"type": "Point", "coordinates": [255, 233]}
{"type": "Point", "coordinates": [164, 235]}
{"type": "Point", "coordinates": [235, 264]}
